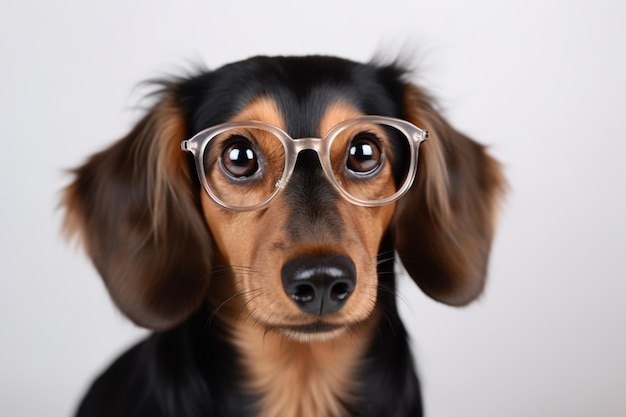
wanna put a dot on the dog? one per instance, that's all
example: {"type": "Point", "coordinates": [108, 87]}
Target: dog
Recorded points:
{"type": "Point", "coordinates": [253, 219]}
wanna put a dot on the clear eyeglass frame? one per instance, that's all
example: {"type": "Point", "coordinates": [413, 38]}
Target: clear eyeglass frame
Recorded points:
{"type": "Point", "coordinates": [322, 146]}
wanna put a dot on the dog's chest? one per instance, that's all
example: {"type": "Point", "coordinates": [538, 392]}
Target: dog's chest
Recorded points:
{"type": "Point", "coordinates": [293, 379]}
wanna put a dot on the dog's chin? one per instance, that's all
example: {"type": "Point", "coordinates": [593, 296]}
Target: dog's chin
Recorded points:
{"type": "Point", "coordinates": [309, 333]}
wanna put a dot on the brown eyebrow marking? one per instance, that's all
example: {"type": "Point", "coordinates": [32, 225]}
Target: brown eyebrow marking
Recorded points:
{"type": "Point", "coordinates": [335, 113]}
{"type": "Point", "coordinates": [263, 109]}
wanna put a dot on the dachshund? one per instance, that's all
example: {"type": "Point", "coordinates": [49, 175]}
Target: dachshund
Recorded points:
{"type": "Point", "coordinates": [252, 219]}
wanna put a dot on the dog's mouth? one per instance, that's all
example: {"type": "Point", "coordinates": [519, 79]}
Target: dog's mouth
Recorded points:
{"type": "Point", "coordinates": [316, 331]}
{"type": "Point", "coordinates": [317, 327]}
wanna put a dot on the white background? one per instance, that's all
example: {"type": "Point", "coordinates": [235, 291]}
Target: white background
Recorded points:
{"type": "Point", "coordinates": [543, 82]}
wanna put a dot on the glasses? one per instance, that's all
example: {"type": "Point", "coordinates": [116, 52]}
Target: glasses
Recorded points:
{"type": "Point", "coordinates": [369, 160]}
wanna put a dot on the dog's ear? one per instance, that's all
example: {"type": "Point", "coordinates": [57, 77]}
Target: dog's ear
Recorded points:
{"type": "Point", "coordinates": [135, 210]}
{"type": "Point", "coordinates": [444, 225]}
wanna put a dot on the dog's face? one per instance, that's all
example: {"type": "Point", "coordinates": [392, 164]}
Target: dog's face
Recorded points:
{"type": "Point", "coordinates": [306, 265]}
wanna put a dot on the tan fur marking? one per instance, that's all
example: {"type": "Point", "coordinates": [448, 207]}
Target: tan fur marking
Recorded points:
{"type": "Point", "coordinates": [337, 112]}
{"type": "Point", "coordinates": [263, 109]}
{"type": "Point", "coordinates": [302, 379]}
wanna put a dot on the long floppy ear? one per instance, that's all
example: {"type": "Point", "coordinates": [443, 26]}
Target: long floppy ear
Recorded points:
{"type": "Point", "coordinates": [134, 209]}
{"type": "Point", "coordinates": [445, 223]}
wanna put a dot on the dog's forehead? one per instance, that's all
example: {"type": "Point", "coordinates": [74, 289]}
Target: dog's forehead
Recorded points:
{"type": "Point", "coordinates": [303, 88]}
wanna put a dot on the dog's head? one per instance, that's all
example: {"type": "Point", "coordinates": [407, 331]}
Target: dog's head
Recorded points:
{"type": "Point", "coordinates": [288, 233]}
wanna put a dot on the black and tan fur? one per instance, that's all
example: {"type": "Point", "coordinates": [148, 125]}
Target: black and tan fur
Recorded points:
{"type": "Point", "coordinates": [228, 341]}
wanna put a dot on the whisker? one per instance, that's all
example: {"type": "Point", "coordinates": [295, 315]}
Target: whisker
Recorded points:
{"type": "Point", "coordinates": [352, 333]}
{"type": "Point", "coordinates": [227, 270]}
{"type": "Point", "coordinates": [387, 253]}
{"type": "Point", "coordinates": [386, 314]}
{"type": "Point", "coordinates": [404, 301]}
{"type": "Point", "coordinates": [381, 261]}
{"type": "Point", "coordinates": [383, 257]}
{"type": "Point", "coordinates": [229, 299]}
{"type": "Point", "coordinates": [243, 307]}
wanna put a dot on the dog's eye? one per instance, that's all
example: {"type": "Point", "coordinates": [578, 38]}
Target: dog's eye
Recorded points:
{"type": "Point", "coordinates": [239, 158]}
{"type": "Point", "coordinates": [364, 154]}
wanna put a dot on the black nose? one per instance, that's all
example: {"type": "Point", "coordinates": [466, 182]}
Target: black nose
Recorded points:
{"type": "Point", "coordinates": [319, 284]}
